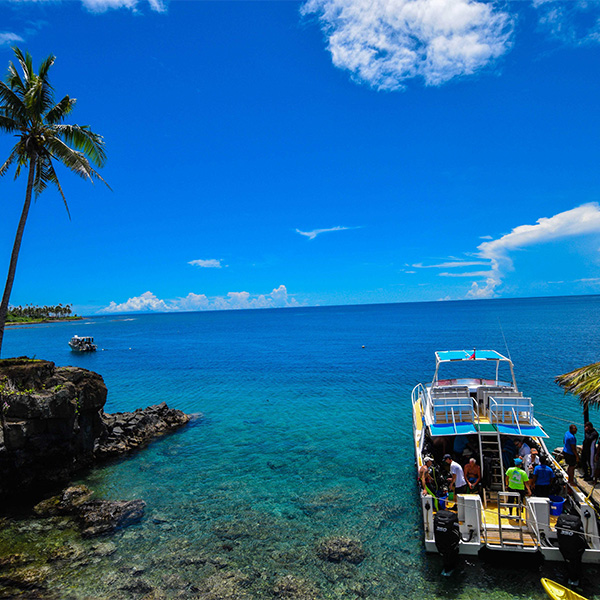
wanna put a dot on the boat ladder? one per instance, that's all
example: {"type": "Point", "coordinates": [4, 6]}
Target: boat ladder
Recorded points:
{"type": "Point", "coordinates": [510, 535]}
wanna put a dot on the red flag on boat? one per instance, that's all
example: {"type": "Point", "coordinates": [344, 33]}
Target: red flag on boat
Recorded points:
{"type": "Point", "coordinates": [472, 357]}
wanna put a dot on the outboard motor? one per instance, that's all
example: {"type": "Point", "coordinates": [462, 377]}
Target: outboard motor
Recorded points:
{"type": "Point", "coordinates": [571, 544]}
{"type": "Point", "coordinates": [447, 538]}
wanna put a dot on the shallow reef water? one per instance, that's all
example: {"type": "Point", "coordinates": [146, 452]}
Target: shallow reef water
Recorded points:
{"type": "Point", "coordinates": [300, 434]}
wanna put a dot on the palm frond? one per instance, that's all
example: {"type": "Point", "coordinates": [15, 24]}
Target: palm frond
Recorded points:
{"type": "Point", "coordinates": [12, 104]}
{"type": "Point", "coordinates": [584, 383]}
{"type": "Point", "coordinates": [59, 111]}
{"type": "Point", "coordinates": [72, 159]}
{"type": "Point", "coordinates": [45, 67]}
{"type": "Point", "coordinates": [85, 140]}
{"type": "Point", "coordinates": [26, 63]}
{"type": "Point", "coordinates": [38, 99]}
{"type": "Point", "coordinates": [8, 124]}
{"type": "Point", "coordinates": [53, 178]}
{"type": "Point", "coordinates": [14, 155]}
{"type": "Point", "coordinates": [13, 79]}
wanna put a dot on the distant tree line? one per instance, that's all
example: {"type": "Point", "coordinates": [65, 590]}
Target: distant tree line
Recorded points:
{"type": "Point", "coordinates": [30, 312]}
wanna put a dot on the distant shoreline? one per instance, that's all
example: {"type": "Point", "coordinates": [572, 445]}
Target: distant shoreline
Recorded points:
{"type": "Point", "coordinates": [40, 321]}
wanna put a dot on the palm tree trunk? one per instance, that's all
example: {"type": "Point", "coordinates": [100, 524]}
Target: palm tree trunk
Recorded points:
{"type": "Point", "coordinates": [12, 269]}
{"type": "Point", "coordinates": [586, 412]}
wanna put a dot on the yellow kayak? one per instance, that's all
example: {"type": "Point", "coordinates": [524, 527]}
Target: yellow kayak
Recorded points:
{"type": "Point", "coordinates": [560, 592]}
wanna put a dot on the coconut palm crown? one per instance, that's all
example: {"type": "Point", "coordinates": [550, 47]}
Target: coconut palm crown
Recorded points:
{"type": "Point", "coordinates": [29, 112]}
{"type": "Point", "coordinates": [584, 383]}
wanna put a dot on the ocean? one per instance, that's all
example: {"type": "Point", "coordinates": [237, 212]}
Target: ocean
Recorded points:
{"type": "Point", "coordinates": [303, 432]}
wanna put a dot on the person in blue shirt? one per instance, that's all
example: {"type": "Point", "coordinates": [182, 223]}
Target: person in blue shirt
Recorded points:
{"type": "Point", "coordinates": [570, 453]}
{"type": "Point", "coordinates": [543, 475]}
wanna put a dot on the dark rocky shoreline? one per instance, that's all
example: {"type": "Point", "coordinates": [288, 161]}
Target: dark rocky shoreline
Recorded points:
{"type": "Point", "coordinates": [54, 425]}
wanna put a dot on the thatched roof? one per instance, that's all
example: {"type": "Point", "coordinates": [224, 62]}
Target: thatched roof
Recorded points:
{"type": "Point", "coordinates": [584, 383]}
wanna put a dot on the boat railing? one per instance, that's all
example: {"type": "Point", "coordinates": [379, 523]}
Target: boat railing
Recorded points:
{"type": "Point", "coordinates": [418, 391]}
{"type": "Point", "coordinates": [446, 410]}
{"type": "Point", "coordinates": [511, 411]}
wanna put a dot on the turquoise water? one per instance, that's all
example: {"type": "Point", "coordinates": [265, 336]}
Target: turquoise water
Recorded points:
{"type": "Point", "coordinates": [303, 434]}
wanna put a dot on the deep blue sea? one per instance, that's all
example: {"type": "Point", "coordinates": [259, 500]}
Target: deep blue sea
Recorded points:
{"type": "Point", "coordinates": [305, 433]}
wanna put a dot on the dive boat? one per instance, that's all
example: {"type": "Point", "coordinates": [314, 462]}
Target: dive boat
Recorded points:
{"type": "Point", "coordinates": [82, 344]}
{"type": "Point", "coordinates": [487, 415]}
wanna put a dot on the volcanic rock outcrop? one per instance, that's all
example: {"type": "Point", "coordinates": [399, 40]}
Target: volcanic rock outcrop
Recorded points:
{"type": "Point", "coordinates": [53, 424]}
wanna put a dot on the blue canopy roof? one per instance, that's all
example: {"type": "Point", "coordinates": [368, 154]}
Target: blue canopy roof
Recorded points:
{"type": "Point", "coordinates": [450, 355]}
{"type": "Point", "coordinates": [451, 429]}
{"type": "Point", "coordinates": [523, 430]}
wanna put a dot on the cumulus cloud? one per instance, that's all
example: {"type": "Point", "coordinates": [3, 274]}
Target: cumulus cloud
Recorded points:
{"type": "Point", "coordinates": [210, 263]}
{"type": "Point", "coordinates": [584, 219]}
{"type": "Point", "coordinates": [382, 43]}
{"type": "Point", "coordinates": [311, 235]}
{"type": "Point", "coordinates": [7, 38]}
{"type": "Point", "coordinates": [148, 302]}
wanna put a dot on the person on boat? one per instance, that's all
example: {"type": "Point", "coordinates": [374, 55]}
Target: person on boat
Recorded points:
{"type": "Point", "coordinates": [588, 451]}
{"type": "Point", "coordinates": [472, 473]}
{"type": "Point", "coordinates": [542, 479]}
{"type": "Point", "coordinates": [523, 449]}
{"type": "Point", "coordinates": [459, 446]}
{"type": "Point", "coordinates": [531, 461]}
{"type": "Point", "coordinates": [509, 451]}
{"type": "Point", "coordinates": [456, 481]}
{"type": "Point", "coordinates": [517, 480]}
{"type": "Point", "coordinates": [426, 475]}
{"type": "Point", "coordinates": [570, 452]}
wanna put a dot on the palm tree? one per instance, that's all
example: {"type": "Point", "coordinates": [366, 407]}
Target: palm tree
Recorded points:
{"type": "Point", "coordinates": [585, 383]}
{"type": "Point", "coordinates": [28, 111]}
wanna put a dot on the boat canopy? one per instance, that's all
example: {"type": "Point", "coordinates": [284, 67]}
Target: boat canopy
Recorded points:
{"type": "Point", "coordinates": [452, 355]}
{"type": "Point", "coordinates": [470, 356]}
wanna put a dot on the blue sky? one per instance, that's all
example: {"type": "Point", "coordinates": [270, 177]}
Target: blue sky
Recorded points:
{"type": "Point", "coordinates": [327, 152]}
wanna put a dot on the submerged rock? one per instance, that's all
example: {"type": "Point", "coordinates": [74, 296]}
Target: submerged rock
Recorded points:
{"type": "Point", "coordinates": [126, 431]}
{"type": "Point", "coordinates": [224, 585]}
{"type": "Point", "coordinates": [293, 588]}
{"type": "Point", "coordinates": [66, 503]}
{"type": "Point", "coordinates": [337, 549]}
{"type": "Point", "coordinates": [99, 517]}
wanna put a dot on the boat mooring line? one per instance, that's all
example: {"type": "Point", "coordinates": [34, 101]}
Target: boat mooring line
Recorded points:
{"type": "Point", "coordinates": [539, 412]}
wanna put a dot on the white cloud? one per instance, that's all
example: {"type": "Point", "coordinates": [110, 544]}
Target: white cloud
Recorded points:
{"type": "Point", "coordinates": [584, 219]}
{"type": "Point", "coordinates": [100, 6]}
{"type": "Point", "coordinates": [385, 42]}
{"type": "Point", "coordinates": [311, 235]}
{"type": "Point", "coordinates": [576, 22]}
{"type": "Point", "coordinates": [7, 38]}
{"type": "Point", "coordinates": [451, 265]}
{"type": "Point", "coordinates": [210, 263]}
{"type": "Point", "coordinates": [469, 274]}
{"type": "Point", "coordinates": [148, 302]}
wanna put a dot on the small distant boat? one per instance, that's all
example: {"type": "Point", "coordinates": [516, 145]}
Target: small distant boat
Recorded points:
{"type": "Point", "coordinates": [560, 592]}
{"type": "Point", "coordinates": [82, 344]}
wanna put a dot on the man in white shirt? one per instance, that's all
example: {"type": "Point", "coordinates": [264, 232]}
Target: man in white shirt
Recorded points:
{"type": "Point", "coordinates": [456, 482]}
{"type": "Point", "coordinates": [523, 449]}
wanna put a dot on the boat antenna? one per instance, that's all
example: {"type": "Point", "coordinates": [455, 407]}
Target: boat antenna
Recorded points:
{"type": "Point", "coordinates": [504, 338]}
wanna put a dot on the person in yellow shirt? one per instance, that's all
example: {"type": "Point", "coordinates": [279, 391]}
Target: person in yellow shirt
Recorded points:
{"type": "Point", "coordinates": [517, 480]}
